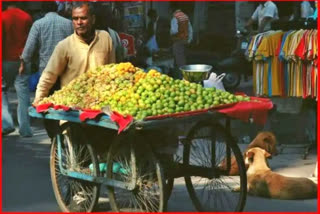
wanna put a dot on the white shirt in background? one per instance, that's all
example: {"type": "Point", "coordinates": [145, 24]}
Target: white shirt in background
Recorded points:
{"type": "Point", "coordinates": [268, 9]}
{"type": "Point", "coordinates": [306, 9]}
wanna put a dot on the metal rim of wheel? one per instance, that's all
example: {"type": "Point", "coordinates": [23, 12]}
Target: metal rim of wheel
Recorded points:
{"type": "Point", "coordinates": [216, 194]}
{"type": "Point", "coordinates": [231, 80]}
{"type": "Point", "coordinates": [149, 193]}
{"type": "Point", "coordinates": [73, 195]}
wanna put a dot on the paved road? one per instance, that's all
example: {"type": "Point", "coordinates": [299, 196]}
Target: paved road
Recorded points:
{"type": "Point", "coordinates": [27, 187]}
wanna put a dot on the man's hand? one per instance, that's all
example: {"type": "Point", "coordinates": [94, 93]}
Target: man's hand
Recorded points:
{"type": "Point", "coordinates": [36, 101]}
{"type": "Point", "coordinates": [21, 68]}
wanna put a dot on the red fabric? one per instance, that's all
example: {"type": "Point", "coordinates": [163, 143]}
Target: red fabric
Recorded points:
{"type": "Point", "coordinates": [122, 121]}
{"type": "Point", "coordinates": [16, 25]}
{"type": "Point", "coordinates": [312, 82]}
{"type": "Point", "coordinates": [127, 41]}
{"type": "Point", "coordinates": [43, 107]}
{"type": "Point", "coordinates": [89, 114]}
{"type": "Point", "coordinates": [311, 52]}
{"type": "Point", "coordinates": [64, 108]}
{"type": "Point", "coordinates": [301, 48]}
{"type": "Point", "coordinates": [257, 108]}
{"type": "Point", "coordinates": [304, 80]}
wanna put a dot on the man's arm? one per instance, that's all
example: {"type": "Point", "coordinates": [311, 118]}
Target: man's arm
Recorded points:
{"type": "Point", "coordinates": [264, 21]}
{"type": "Point", "coordinates": [190, 32]}
{"type": "Point", "coordinates": [253, 18]}
{"type": "Point", "coordinates": [270, 14]}
{"type": "Point", "coordinates": [55, 67]}
{"type": "Point", "coordinates": [112, 50]}
{"type": "Point", "coordinates": [174, 26]}
{"type": "Point", "coordinates": [249, 24]}
{"type": "Point", "coordinates": [30, 47]}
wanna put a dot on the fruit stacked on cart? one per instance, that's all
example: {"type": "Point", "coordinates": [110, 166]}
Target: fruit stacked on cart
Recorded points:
{"type": "Point", "coordinates": [129, 90]}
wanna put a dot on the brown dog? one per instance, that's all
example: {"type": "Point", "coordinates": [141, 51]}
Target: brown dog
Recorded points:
{"type": "Point", "coordinates": [263, 182]}
{"type": "Point", "coordinates": [264, 140]}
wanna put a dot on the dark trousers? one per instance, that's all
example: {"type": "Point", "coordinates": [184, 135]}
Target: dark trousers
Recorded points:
{"type": "Point", "coordinates": [179, 50]}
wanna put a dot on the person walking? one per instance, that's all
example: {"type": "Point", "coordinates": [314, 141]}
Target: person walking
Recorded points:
{"type": "Point", "coordinates": [104, 22]}
{"type": "Point", "coordinates": [265, 14]}
{"type": "Point", "coordinates": [160, 28]}
{"type": "Point", "coordinates": [16, 24]}
{"type": "Point", "coordinates": [182, 34]}
{"type": "Point", "coordinates": [44, 35]}
{"type": "Point", "coordinates": [305, 9]}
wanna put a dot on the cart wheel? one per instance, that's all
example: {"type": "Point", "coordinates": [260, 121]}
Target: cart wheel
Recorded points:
{"type": "Point", "coordinates": [218, 191]}
{"type": "Point", "coordinates": [73, 195]}
{"type": "Point", "coordinates": [169, 181]}
{"type": "Point", "coordinates": [126, 162]}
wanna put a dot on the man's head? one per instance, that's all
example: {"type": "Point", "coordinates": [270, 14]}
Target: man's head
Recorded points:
{"type": "Point", "coordinates": [83, 19]}
{"type": "Point", "coordinates": [11, 4]}
{"type": "Point", "coordinates": [49, 6]}
{"type": "Point", "coordinates": [152, 14]}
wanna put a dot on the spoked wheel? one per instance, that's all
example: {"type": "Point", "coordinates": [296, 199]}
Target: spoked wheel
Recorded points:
{"type": "Point", "coordinates": [207, 145]}
{"type": "Point", "coordinates": [126, 163]}
{"type": "Point", "coordinates": [73, 195]}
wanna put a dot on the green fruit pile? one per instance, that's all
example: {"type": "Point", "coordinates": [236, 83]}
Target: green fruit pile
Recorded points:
{"type": "Point", "coordinates": [129, 90]}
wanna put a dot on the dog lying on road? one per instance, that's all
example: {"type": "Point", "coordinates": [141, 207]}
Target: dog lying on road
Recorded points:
{"type": "Point", "coordinates": [263, 182]}
{"type": "Point", "coordinates": [264, 140]}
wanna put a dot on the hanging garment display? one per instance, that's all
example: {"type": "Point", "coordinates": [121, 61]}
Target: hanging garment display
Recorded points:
{"type": "Point", "coordinates": [284, 63]}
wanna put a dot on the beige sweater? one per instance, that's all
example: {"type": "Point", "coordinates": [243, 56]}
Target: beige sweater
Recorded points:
{"type": "Point", "coordinates": [72, 57]}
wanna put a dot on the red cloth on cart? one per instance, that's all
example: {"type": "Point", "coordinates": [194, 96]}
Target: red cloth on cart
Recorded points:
{"type": "Point", "coordinates": [257, 108]}
{"type": "Point", "coordinates": [64, 108]}
{"type": "Point", "coordinates": [89, 114]}
{"type": "Point", "coordinates": [121, 120]}
{"type": "Point", "coordinates": [43, 107]}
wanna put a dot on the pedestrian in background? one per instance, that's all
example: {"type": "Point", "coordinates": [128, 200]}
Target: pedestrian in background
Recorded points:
{"type": "Point", "coordinates": [104, 22]}
{"type": "Point", "coordinates": [306, 9]}
{"type": "Point", "coordinates": [43, 37]}
{"type": "Point", "coordinates": [181, 33]}
{"type": "Point", "coordinates": [160, 28]}
{"type": "Point", "coordinates": [265, 14]}
{"type": "Point", "coordinates": [16, 24]}
{"type": "Point", "coordinates": [64, 9]}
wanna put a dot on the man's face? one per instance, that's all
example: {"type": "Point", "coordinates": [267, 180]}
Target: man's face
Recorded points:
{"type": "Point", "coordinates": [82, 21]}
